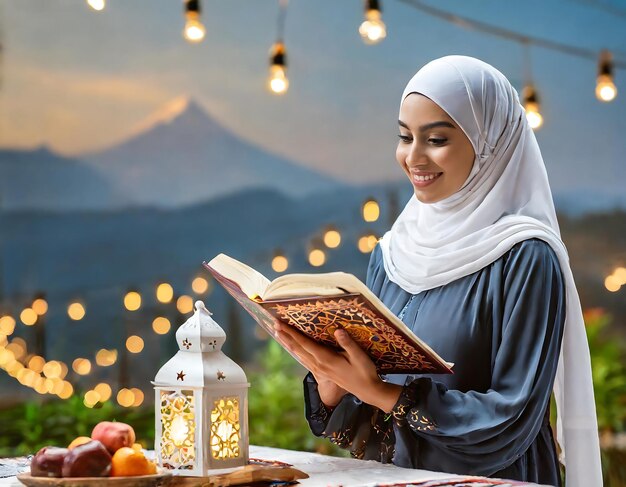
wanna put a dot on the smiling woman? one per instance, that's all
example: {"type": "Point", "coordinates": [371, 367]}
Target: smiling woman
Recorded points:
{"type": "Point", "coordinates": [476, 267]}
{"type": "Point", "coordinates": [433, 151]}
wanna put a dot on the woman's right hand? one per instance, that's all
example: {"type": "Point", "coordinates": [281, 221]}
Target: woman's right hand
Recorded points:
{"type": "Point", "coordinates": [330, 393]}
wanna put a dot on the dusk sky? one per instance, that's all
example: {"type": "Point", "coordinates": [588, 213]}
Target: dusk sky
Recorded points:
{"type": "Point", "coordinates": [77, 80]}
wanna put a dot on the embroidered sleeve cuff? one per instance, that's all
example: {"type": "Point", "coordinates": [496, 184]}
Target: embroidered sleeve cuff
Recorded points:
{"type": "Point", "coordinates": [405, 403]}
{"type": "Point", "coordinates": [406, 410]}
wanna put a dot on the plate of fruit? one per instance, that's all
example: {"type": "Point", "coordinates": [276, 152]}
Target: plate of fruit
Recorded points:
{"type": "Point", "coordinates": [109, 457]}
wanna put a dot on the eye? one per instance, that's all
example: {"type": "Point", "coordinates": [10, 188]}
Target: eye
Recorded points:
{"type": "Point", "coordinates": [437, 141]}
{"type": "Point", "coordinates": [405, 138]}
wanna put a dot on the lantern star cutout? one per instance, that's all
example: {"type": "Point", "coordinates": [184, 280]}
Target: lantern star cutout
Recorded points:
{"type": "Point", "coordinates": [220, 375]}
{"type": "Point", "coordinates": [180, 376]}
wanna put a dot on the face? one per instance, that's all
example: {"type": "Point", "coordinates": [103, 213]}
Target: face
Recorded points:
{"type": "Point", "coordinates": [433, 150]}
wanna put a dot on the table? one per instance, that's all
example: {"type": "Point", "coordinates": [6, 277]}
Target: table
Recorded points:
{"type": "Point", "coordinates": [327, 471]}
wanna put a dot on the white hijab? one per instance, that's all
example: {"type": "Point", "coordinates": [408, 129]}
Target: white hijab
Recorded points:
{"type": "Point", "coordinates": [506, 199]}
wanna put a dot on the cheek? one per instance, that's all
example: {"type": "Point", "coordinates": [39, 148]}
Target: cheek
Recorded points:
{"type": "Point", "coordinates": [401, 154]}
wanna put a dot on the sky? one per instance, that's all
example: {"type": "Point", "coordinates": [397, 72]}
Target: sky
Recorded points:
{"type": "Point", "coordinates": [79, 81]}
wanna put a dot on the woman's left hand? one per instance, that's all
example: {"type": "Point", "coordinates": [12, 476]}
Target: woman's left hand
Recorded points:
{"type": "Point", "coordinates": [351, 369]}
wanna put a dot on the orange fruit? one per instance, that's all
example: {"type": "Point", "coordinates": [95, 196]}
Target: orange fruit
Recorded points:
{"type": "Point", "coordinates": [81, 440]}
{"type": "Point", "coordinates": [128, 462]}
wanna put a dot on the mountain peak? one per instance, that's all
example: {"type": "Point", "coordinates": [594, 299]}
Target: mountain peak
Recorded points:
{"type": "Point", "coordinates": [169, 112]}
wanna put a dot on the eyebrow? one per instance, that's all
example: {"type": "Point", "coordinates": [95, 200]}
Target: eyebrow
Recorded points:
{"type": "Point", "coordinates": [427, 126]}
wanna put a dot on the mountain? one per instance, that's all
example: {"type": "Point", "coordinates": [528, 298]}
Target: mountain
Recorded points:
{"type": "Point", "coordinates": [181, 155]}
{"type": "Point", "coordinates": [40, 179]}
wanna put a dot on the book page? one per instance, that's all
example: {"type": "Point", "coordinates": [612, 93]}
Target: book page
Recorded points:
{"type": "Point", "coordinates": [251, 281]}
{"type": "Point", "coordinates": [302, 285]}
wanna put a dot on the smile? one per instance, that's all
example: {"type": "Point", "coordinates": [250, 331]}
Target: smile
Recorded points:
{"type": "Point", "coordinates": [424, 180]}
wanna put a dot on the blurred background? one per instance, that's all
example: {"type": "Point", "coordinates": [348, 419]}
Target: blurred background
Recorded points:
{"type": "Point", "coordinates": [138, 139]}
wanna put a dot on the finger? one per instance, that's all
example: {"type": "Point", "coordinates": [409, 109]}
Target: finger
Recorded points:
{"type": "Point", "coordinates": [305, 342]}
{"type": "Point", "coordinates": [294, 346]}
{"type": "Point", "coordinates": [350, 346]}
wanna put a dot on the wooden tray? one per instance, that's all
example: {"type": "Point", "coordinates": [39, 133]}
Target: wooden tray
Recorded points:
{"type": "Point", "coordinates": [159, 479]}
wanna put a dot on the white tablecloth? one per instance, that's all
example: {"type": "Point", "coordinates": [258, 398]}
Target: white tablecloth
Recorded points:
{"type": "Point", "coordinates": [327, 471]}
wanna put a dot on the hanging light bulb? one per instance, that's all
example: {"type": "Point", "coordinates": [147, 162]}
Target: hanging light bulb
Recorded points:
{"type": "Point", "coordinates": [277, 81]}
{"type": "Point", "coordinates": [97, 4]}
{"type": "Point", "coordinates": [605, 88]}
{"type": "Point", "coordinates": [372, 29]}
{"type": "Point", "coordinates": [194, 30]}
{"type": "Point", "coordinates": [531, 105]}
{"type": "Point", "coordinates": [280, 263]}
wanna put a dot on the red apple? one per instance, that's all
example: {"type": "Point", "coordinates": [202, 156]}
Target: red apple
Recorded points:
{"type": "Point", "coordinates": [114, 435]}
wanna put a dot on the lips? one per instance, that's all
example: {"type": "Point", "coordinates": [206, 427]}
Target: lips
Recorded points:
{"type": "Point", "coordinates": [421, 178]}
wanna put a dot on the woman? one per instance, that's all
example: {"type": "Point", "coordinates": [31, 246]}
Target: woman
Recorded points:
{"type": "Point", "coordinates": [476, 267]}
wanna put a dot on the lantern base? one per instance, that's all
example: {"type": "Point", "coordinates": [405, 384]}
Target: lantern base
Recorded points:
{"type": "Point", "coordinates": [240, 475]}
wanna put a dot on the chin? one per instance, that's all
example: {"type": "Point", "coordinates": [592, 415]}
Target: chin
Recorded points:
{"type": "Point", "coordinates": [425, 198]}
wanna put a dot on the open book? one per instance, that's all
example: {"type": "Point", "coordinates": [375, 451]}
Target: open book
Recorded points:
{"type": "Point", "coordinates": [319, 304]}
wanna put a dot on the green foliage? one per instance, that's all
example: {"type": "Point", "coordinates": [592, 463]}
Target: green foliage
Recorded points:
{"type": "Point", "coordinates": [276, 404]}
{"type": "Point", "coordinates": [609, 373]}
{"type": "Point", "coordinates": [28, 427]}
{"type": "Point", "coordinates": [609, 384]}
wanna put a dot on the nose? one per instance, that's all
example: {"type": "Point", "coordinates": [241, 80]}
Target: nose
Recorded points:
{"type": "Point", "coordinates": [416, 156]}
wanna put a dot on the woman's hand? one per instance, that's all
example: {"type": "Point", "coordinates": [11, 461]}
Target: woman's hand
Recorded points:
{"type": "Point", "coordinates": [350, 370]}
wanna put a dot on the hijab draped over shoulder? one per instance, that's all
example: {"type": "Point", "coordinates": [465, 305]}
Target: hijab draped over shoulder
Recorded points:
{"type": "Point", "coordinates": [506, 199]}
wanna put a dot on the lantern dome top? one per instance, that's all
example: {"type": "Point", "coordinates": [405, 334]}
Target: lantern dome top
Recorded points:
{"type": "Point", "coordinates": [200, 333]}
{"type": "Point", "coordinates": [200, 361]}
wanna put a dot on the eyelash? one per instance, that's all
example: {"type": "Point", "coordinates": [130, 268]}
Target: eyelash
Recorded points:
{"type": "Point", "coordinates": [435, 141]}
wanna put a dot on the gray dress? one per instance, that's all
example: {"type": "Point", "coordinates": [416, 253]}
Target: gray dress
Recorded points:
{"type": "Point", "coordinates": [502, 327]}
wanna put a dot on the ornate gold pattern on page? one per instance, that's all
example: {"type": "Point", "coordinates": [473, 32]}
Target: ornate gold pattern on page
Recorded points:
{"type": "Point", "coordinates": [320, 318]}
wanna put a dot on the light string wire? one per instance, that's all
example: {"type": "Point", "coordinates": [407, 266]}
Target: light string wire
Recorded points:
{"type": "Point", "coordinates": [280, 22]}
{"type": "Point", "coordinates": [477, 25]}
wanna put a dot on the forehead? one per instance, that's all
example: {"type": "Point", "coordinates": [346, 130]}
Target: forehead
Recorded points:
{"type": "Point", "coordinates": [417, 109]}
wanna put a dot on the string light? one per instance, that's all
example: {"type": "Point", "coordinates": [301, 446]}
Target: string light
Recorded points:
{"type": "Point", "coordinates": [67, 390]}
{"type": "Point", "coordinates": [81, 366]}
{"type": "Point", "coordinates": [76, 311]}
{"type": "Point", "coordinates": [138, 397]}
{"type": "Point", "coordinates": [104, 391]}
{"type": "Point", "coordinates": [367, 243]}
{"type": "Point", "coordinates": [36, 363]}
{"type": "Point", "coordinates": [97, 5]}
{"type": "Point", "coordinates": [52, 369]}
{"type": "Point", "coordinates": [28, 316]}
{"type": "Point", "coordinates": [317, 257]}
{"type": "Point", "coordinates": [91, 398]}
{"type": "Point", "coordinates": [605, 87]}
{"type": "Point", "coordinates": [277, 81]}
{"type": "Point", "coordinates": [200, 285]}
{"type": "Point", "coordinates": [370, 210]}
{"type": "Point", "coordinates": [194, 31]}
{"type": "Point", "coordinates": [532, 107]}
{"type": "Point", "coordinates": [373, 29]}
{"type": "Point", "coordinates": [7, 325]}
{"type": "Point", "coordinates": [125, 397]}
{"type": "Point", "coordinates": [106, 358]}
{"type": "Point", "coordinates": [280, 263]}
{"type": "Point", "coordinates": [161, 325]}
{"type": "Point", "coordinates": [184, 304]}
{"type": "Point", "coordinates": [616, 280]}
{"type": "Point", "coordinates": [40, 306]}
{"type": "Point", "coordinates": [332, 237]}
{"type": "Point", "coordinates": [134, 344]}
{"type": "Point", "coordinates": [132, 301]}
{"type": "Point", "coordinates": [164, 292]}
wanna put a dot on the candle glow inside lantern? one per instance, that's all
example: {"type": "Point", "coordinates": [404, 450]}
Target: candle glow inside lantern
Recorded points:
{"type": "Point", "coordinates": [201, 402]}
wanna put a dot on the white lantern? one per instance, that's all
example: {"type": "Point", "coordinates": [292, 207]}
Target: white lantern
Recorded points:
{"type": "Point", "coordinates": [201, 403]}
